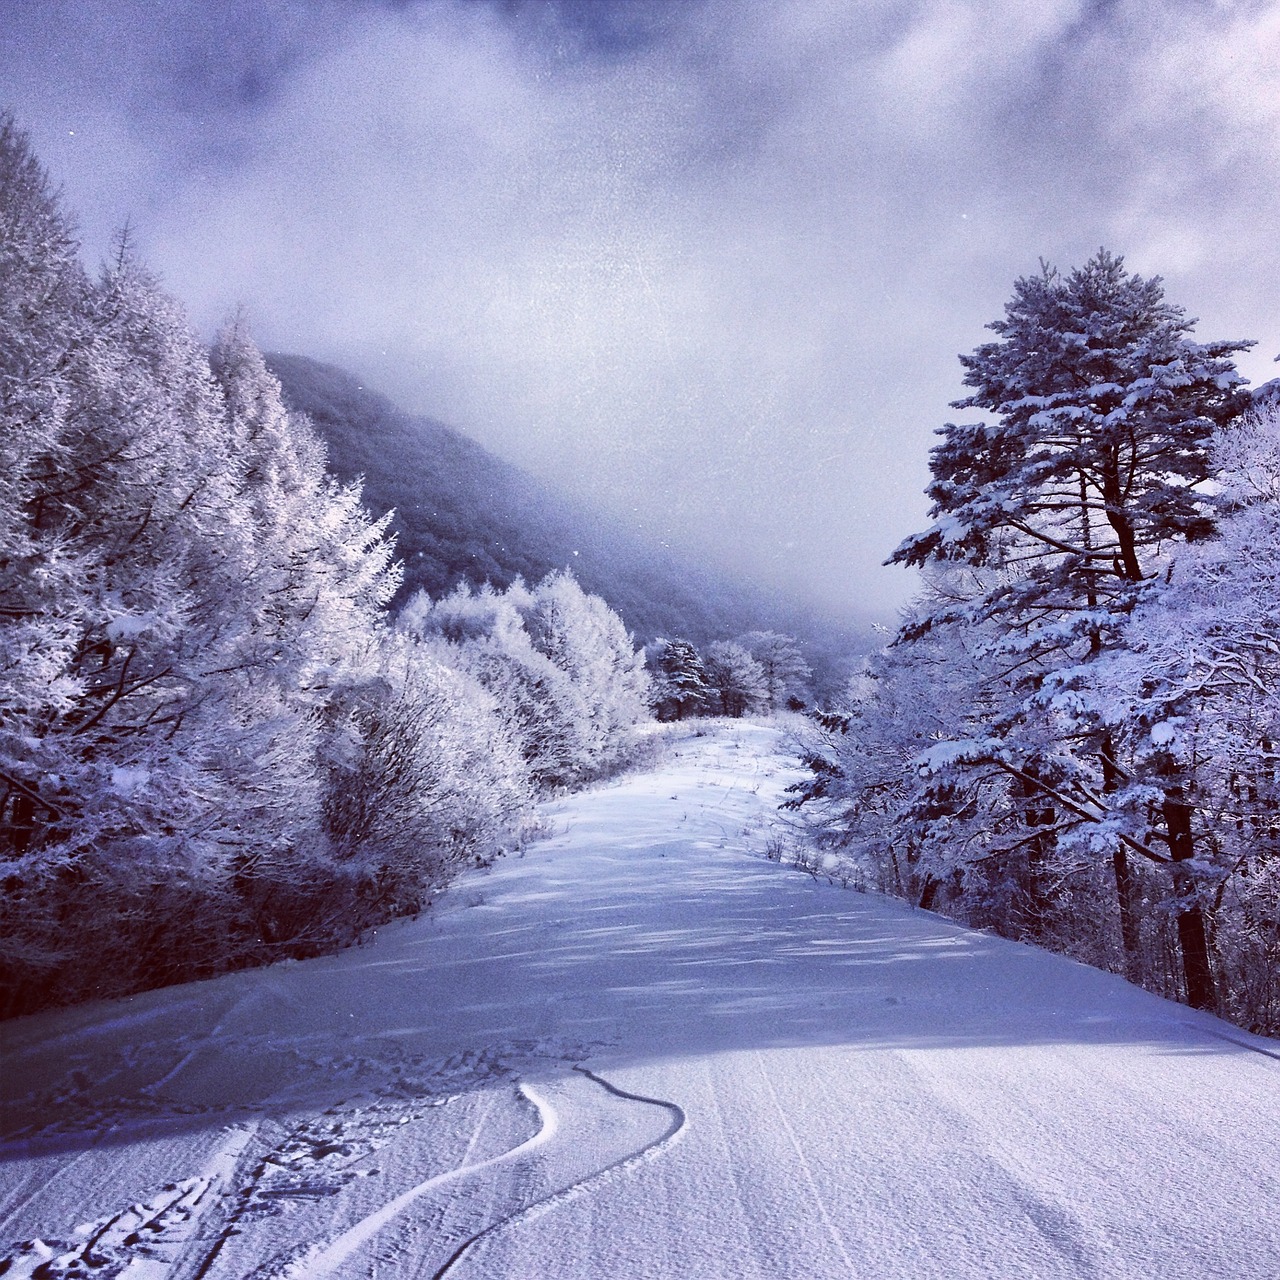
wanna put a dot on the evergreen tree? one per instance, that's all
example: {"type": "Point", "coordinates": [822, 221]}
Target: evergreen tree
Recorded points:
{"type": "Point", "coordinates": [1194, 694]}
{"type": "Point", "coordinates": [679, 679]}
{"type": "Point", "coordinates": [1098, 461]}
{"type": "Point", "coordinates": [1100, 453]}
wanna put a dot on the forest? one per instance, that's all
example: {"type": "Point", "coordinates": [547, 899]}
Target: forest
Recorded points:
{"type": "Point", "coordinates": [221, 745]}
{"type": "Point", "coordinates": [217, 746]}
{"type": "Point", "coordinates": [1072, 740]}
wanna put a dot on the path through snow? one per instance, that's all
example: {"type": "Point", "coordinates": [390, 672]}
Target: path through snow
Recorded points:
{"type": "Point", "coordinates": [642, 1050]}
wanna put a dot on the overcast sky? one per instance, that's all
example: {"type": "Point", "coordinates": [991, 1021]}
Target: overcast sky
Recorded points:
{"type": "Point", "coordinates": [710, 263]}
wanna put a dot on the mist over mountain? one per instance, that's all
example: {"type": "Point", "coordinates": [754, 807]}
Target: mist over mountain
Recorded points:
{"type": "Point", "coordinates": [461, 513]}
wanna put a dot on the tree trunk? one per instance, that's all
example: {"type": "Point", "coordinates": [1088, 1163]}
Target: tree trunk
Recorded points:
{"type": "Point", "coordinates": [928, 894]}
{"type": "Point", "coordinates": [1118, 518]}
{"type": "Point", "coordinates": [1125, 888]}
{"type": "Point", "coordinates": [1037, 812]}
{"type": "Point", "coordinates": [1192, 935]}
{"type": "Point", "coordinates": [1129, 936]}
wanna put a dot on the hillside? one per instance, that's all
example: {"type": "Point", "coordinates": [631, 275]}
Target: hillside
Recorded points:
{"type": "Point", "coordinates": [462, 513]}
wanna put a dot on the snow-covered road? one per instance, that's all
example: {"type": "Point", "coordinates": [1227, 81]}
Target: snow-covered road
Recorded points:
{"type": "Point", "coordinates": [642, 1050]}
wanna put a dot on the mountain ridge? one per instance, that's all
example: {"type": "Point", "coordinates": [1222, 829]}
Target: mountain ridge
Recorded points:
{"type": "Point", "coordinates": [463, 513]}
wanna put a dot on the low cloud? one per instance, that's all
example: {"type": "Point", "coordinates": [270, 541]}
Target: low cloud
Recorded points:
{"type": "Point", "coordinates": [715, 275]}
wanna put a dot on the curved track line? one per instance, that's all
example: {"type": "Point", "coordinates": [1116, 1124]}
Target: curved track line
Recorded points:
{"type": "Point", "coordinates": [339, 1250]}
{"type": "Point", "coordinates": [677, 1125]}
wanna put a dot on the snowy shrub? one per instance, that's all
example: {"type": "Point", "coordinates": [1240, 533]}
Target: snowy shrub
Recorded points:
{"type": "Point", "coordinates": [736, 682]}
{"type": "Point", "coordinates": [586, 640]}
{"type": "Point", "coordinates": [787, 678]}
{"type": "Point", "coordinates": [421, 778]}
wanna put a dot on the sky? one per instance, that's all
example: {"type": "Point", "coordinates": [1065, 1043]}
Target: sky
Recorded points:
{"type": "Point", "coordinates": [705, 262]}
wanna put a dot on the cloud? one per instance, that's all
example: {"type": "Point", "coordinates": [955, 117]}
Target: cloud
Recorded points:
{"type": "Point", "coordinates": [712, 266]}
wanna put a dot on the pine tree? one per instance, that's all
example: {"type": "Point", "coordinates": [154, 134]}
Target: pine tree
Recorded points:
{"type": "Point", "coordinates": [1100, 454]}
{"type": "Point", "coordinates": [1098, 461]}
{"type": "Point", "coordinates": [679, 680]}
{"type": "Point", "coordinates": [1194, 693]}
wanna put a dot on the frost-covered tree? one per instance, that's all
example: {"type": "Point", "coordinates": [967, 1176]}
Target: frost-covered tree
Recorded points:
{"type": "Point", "coordinates": [543, 712]}
{"type": "Point", "coordinates": [213, 749]}
{"type": "Point", "coordinates": [117, 506]}
{"type": "Point", "coordinates": [422, 778]}
{"type": "Point", "coordinates": [1099, 454]}
{"type": "Point", "coordinates": [586, 640]}
{"type": "Point", "coordinates": [736, 682]}
{"type": "Point", "coordinates": [1193, 701]}
{"type": "Point", "coordinates": [559, 663]}
{"type": "Point", "coordinates": [1097, 462]}
{"type": "Point", "coordinates": [787, 676]}
{"type": "Point", "coordinates": [679, 679]}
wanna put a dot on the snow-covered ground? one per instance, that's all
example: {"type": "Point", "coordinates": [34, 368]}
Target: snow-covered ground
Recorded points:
{"type": "Point", "coordinates": [642, 1050]}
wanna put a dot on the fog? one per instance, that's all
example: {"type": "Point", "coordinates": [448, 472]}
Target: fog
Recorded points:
{"type": "Point", "coordinates": [709, 264]}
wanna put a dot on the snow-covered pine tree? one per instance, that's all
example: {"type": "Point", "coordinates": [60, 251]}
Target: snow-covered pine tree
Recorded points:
{"type": "Point", "coordinates": [903, 786]}
{"type": "Point", "coordinates": [1097, 461]}
{"type": "Point", "coordinates": [679, 680]}
{"type": "Point", "coordinates": [1099, 456]}
{"type": "Point", "coordinates": [1194, 693]}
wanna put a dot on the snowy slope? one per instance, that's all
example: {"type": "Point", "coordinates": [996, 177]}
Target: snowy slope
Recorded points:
{"type": "Point", "coordinates": [643, 1050]}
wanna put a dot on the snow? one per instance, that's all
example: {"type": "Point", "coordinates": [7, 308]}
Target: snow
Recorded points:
{"type": "Point", "coordinates": [644, 1050]}
{"type": "Point", "coordinates": [127, 626]}
{"type": "Point", "coordinates": [128, 779]}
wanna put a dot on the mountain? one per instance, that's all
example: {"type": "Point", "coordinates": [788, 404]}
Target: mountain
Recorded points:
{"type": "Point", "coordinates": [463, 513]}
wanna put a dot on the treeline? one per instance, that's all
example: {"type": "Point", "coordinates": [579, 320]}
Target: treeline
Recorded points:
{"type": "Point", "coordinates": [1073, 738]}
{"type": "Point", "coordinates": [760, 673]}
{"type": "Point", "coordinates": [217, 748]}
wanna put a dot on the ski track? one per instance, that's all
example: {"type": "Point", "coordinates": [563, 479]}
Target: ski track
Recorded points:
{"type": "Point", "coordinates": [565, 1193]}
{"type": "Point", "coordinates": [815, 1190]}
{"type": "Point", "coordinates": [327, 1259]}
{"type": "Point", "coordinates": [821, 1084]}
{"type": "Point", "coordinates": [144, 1241]}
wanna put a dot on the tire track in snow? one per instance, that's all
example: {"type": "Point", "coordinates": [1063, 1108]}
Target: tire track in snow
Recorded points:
{"type": "Point", "coordinates": [675, 1127]}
